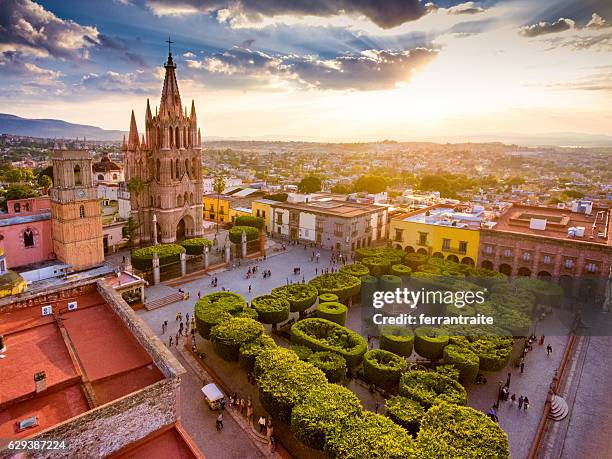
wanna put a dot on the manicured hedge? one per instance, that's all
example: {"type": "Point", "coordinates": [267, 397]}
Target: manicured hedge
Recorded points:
{"type": "Point", "coordinates": [271, 309]}
{"type": "Point", "coordinates": [485, 277]}
{"type": "Point", "coordinates": [448, 370]}
{"type": "Point", "coordinates": [324, 335]}
{"type": "Point", "coordinates": [357, 269]}
{"type": "Point", "coordinates": [415, 260]}
{"type": "Point", "coordinates": [389, 283]}
{"type": "Point", "coordinates": [299, 296]}
{"type": "Point", "coordinates": [397, 339]}
{"type": "Point", "coordinates": [429, 342]}
{"type": "Point", "coordinates": [429, 388]}
{"type": "Point", "coordinates": [432, 269]}
{"type": "Point", "coordinates": [464, 360]}
{"type": "Point", "coordinates": [451, 431]}
{"type": "Point", "coordinates": [249, 220]}
{"type": "Point", "coordinates": [343, 285]}
{"type": "Point", "coordinates": [195, 245]}
{"type": "Point", "coordinates": [323, 410]}
{"type": "Point", "coordinates": [250, 350]}
{"type": "Point", "coordinates": [517, 323]}
{"type": "Point", "coordinates": [546, 293]}
{"type": "Point", "coordinates": [303, 352]}
{"type": "Point", "coordinates": [235, 234]}
{"type": "Point", "coordinates": [284, 384]}
{"type": "Point", "coordinates": [370, 436]}
{"type": "Point", "coordinates": [377, 266]}
{"type": "Point", "coordinates": [270, 358]}
{"type": "Point", "coordinates": [330, 363]}
{"type": "Point", "coordinates": [142, 259]}
{"type": "Point", "coordinates": [400, 270]}
{"type": "Point", "coordinates": [228, 336]}
{"type": "Point", "coordinates": [493, 351]}
{"type": "Point", "coordinates": [405, 412]}
{"type": "Point", "coordinates": [369, 284]}
{"type": "Point", "coordinates": [394, 256]}
{"type": "Point", "coordinates": [383, 368]}
{"type": "Point", "coordinates": [334, 311]}
{"type": "Point", "coordinates": [328, 298]}
{"type": "Point", "coordinates": [214, 308]}
{"type": "Point", "coordinates": [523, 302]}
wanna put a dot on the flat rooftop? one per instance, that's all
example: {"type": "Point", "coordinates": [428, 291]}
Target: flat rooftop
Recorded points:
{"type": "Point", "coordinates": [444, 216]}
{"type": "Point", "coordinates": [89, 357]}
{"type": "Point", "coordinates": [345, 209]}
{"type": "Point", "coordinates": [169, 442]}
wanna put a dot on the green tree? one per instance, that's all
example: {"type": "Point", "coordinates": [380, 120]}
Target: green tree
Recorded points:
{"type": "Point", "coordinates": [310, 184]}
{"type": "Point", "coordinates": [218, 187]}
{"type": "Point", "coordinates": [17, 192]}
{"type": "Point", "coordinates": [371, 184]}
{"type": "Point", "coordinates": [129, 231]}
{"type": "Point", "coordinates": [342, 188]}
{"type": "Point", "coordinates": [135, 187]}
{"type": "Point", "coordinates": [45, 182]}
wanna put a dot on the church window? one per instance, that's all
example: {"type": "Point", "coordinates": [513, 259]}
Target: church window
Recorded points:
{"type": "Point", "coordinates": [82, 212]}
{"type": "Point", "coordinates": [114, 176]}
{"type": "Point", "coordinates": [186, 198]}
{"type": "Point", "coordinates": [159, 201]}
{"type": "Point", "coordinates": [185, 140]}
{"type": "Point", "coordinates": [172, 169]}
{"type": "Point", "coordinates": [191, 199]}
{"type": "Point", "coordinates": [179, 201]}
{"type": "Point", "coordinates": [157, 170]}
{"type": "Point", "coordinates": [17, 207]}
{"type": "Point", "coordinates": [193, 168]}
{"type": "Point", "coordinates": [77, 175]}
{"type": "Point", "coordinates": [170, 142]}
{"type": "Point", "coordinates": [177, 138]}
{"type": "Point", "coordinates": [100, 177]}
{"type": "Point", "coordinates": [176, 168]}
{"type": "Point", "coordinates": [28, 238]}
{"type": "Point", "coordinates": [187, 167]}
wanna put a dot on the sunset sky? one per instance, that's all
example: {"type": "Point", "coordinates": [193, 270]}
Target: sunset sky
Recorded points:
{"type": "Point", "coordinates": [316, 70]}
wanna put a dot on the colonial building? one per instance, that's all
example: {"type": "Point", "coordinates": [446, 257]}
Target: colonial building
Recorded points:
{"type": "Point", "coordinates": [163, 168]}
{"type": "Point", "coordinates": [107, 171]}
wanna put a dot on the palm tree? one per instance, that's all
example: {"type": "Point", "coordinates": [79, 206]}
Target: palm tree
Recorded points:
{"type": "Point", "coordinates": [135, 186]}
{"type": "Point", "coordinates": [218, 187]}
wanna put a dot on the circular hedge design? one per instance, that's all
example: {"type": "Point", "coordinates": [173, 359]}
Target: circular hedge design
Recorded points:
{"type": "Point", "coordinates": [142, 259]}
{"type": "Point", "coordinates": [327, 298]}
{"type": "Point", "coordinates": [429, 388]}
{"type": "Point", "coordinates": [249, 220]}
{"type": "Point", "coordinates": [357, 269]}
{"type": "Point", "coordinates": [464, 360]}
{"type": "Point", "coordinates": [377, 266]}
{"type": "Point", "coordinates": [383, 368]}
{"type": "Point", "coordinates": [429, 342]}
{"type": "Point", "coordinates": [250, 350]}
{"type": "Point", "coordinates": [322, 411]}
{"type": "Point", "coordinates": [405, 412]}
{"type": "Point", "coordinates": [333, 311]}
{"type": "Point", "coordinates": [330, 363]}
{"type": "Point", "coordinates": [324, 335]}
{"type": "Point", "coordinates": [394, 256]}
{"type": "Point", "coordinates": [340, 284]}
{"type": "Point", "coordinates": [270, 358]}
{"type": "Point", "coordinates": [214, 308]}
{"type": "Point", "coordinates": [271, 309]}
{"type": "Point", "coordinates": [299, 296]}
{"type": "Point", "coordinates": [195, 245]}
{"type": "Point", "coordinates": [493, 351]}
{"type": "Point", "coordinates": [397, 339]}
{"type": "Point", "coordinates": [235, 234]}
{"type": "Point", "coordinates": [389, 283]}
{"type": "Point", "coordinates": [415, 260]}
{"type": "Point", "coordinates": [228, 336]}
{"type": "Point", "coordinates": [302, 352]}
{"type": "Point", "coordinates": [448, 370]}
{"type": "Point", "coordinates": [400, 270]}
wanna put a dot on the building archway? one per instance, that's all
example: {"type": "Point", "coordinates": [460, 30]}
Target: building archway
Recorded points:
{"type": "Point", "coordinates": [453, 258]}
{"type": "Point", "coordinates": [467, 261]}
{"type": "Point", "coordinates": [487, 264]}
{"type": "Point", "coordinates": [409, 249]}
{"type": "Point", "coordinates": [422, 251]}
{"type": "Point", "coordinates": [524, 272]}
{"type": "Point", "coordinates": [505, 269]}
{"type": "Point", "coordinates": [438, 255]}
{"type": "Point", "coordinates": [545, 275]}
{"type": "Point", "coordinates": [398, 246]}
{"type": "Point", "coordinates": [184, 228]}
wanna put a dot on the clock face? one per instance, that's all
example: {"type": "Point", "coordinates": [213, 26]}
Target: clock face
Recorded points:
{"type": "Point", "coordinates": [80, 194]}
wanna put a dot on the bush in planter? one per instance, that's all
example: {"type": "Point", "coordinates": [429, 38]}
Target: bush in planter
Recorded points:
{"type": "Point", "coordinates": [142, 259]}
{"type": "Point", "coordinates": [195, 245]}
{"type": "Point", "coordinates": [464, 360]}
{"type": "Point", "coordinates": [334, 311]}
{"type": "Point", "coordinates": [357, 269]}
{"type": "Point", "coordinates": [389, 283]}
{"type": "Point", "coordinates": [249, 313]}
{"type": "Point", "coordinates": [214, 308]}
{"type": "Point", "coordinates": [377, 266]}
{"type": "Point", "coordinates": [428, 269]}
{"type": "Point", "coordinates": [429, 388]}
{"type": "Point", "coordinates": [448, 370]}
{"type": "Point", "coordinates": [340, 284]}
{"type": "Point", "coordinates": [270, 358]}
{"type": "Point", "coordinates": [383, 368]}
{"type": "Point", "coordinates": [249, 351]}
{"type": "Point", "coordinates": [371, 436]}
{"type": "Point", "coordinates": [235, 234]}
{"type": "Point", "coordinates": [285, 383]}
{"type": "Point", "coordinates": [330, 363]}
{"type": "Point", "coordinates": [405, 412]}
{"type": "Point", "coordinates": [493, 351]}
{"type": "Point", "coordinates": [328, 298]}
{"type": "Point", "coordinates": [271, 309]}
{"type": "Point", "coordinates": [324, 335]}
{"type": "Point", "coordinates": [369, 284]}
{"type": "Point", "coordinates": [321, 411]}
{"type": "Point", "coordinates": [517, 323]}
{"type": "Point", "coordinates": [299, 296]}
{"type": "Point", "coordinates": [397, 339]}
{"type": "Point", "coordinates": [451, 431]}
{"type": "Point", "coordinates": [546, 293]}
{"type": "Point", "coordinates": [415, 260]}
{"type": "Point", "coordinates": [400, 270]}
{"type": "Point", "coordinates": [485, 277]}
{"type": "Point", "coordinates": [249, 220]}
{"type": "Point", "coordinates": [429, 342]}
{"type": "Point", "coordinates": [302, 352]}
{"type": "Point", "coordinates": [228, 336]}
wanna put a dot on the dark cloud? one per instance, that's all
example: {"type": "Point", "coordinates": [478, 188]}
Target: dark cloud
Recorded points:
{"type": "Point", "coordinates": [386, 14]}
{"type": "Point", "coordinates": [115, 82]}
{"type": "Point", "coordinates": [21, 78]}
{"type": "Point", "coordinates": [543, 28]}
{"type": "Point", "coordinates": [466, 8]}
{"type": "Point", "coordinates": [369, 70]}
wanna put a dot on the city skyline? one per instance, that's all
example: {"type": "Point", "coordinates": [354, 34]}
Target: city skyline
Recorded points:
{"type": "Point", "coordinates": [339, 71]}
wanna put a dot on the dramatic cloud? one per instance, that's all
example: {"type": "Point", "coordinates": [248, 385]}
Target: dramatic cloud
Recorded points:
{"type": "Point", "coordinates": [386, 14]}
{"type": "Point", "coordinates": [369, 70]}
{"type": "Point", "coordinates": [132, 82]}
{"type": "Point", "coordinates": [543, 28]}
{"type": "Point", "coordinates": [597, 22]}
{"type": "Point", "coordinates": [466, 8]}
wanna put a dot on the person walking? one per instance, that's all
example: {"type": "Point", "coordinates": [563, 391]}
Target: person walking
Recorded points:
{"type": "Point", "coordinates": [262, 424]}
{"type": "Point", "coordinates": [548, 349]}
{"type": "Point", "coordinates": [170, 342]}
{"type": "Point", "coordinates": [219, 423]}
{"type": "Point", "coordinates": [269, 429]}
{"type": "Point", "coordinates": [520, 402]}
{"type": "Point", "coordinates": [249, 411]}
{"type": "Point", "coordinates": [525, 403]}
{"type": "Point", "coordinates": [513, 398]}
{"type": "Point", "coordinates": [508, 380]}
{"type": "Point", "coordinates": [522, 366]}
{"type": "Point", "coordinates": [177, 340]}
{"type": "Point", "coordinates": [163, 328]}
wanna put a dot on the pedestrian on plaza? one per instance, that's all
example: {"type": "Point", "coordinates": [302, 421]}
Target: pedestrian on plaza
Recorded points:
{"type": "Point", "coordinates": [165, 325]}
{"type": "Point", "coordinates": [250, 288]}
{"type": "Point", "coordinates": [219, 424]}
{"type": "Point", "coordinates": [181, 326]}
{"type": "Point", "coordinates": [508, 380]}
{"type": "Point", "coordinates": [249, 411]}
{"type": "Point", "coordinates": [541, 340]}
{"type": "Point", "coordinates": [262, 424]}
{"type": "Point", "coordinates": [272, 444]}
{"type": "Point", "coordinates": [522, 366]}
{"type": "Point", "coordinates": [199, 294]}
{"type": "Point", "coordinates": [513, 398]}
{"type": "Point", "coordinates": [525, 403]}
{"type": "Point", "coordinates": [170, 342]}
{"type": "Point", "coordinates": [186, 318]}
{"type": "Point", "coordinates": [176, 318]}
{"type": "Point", "coordinates": [269, 429]}
{"type": "Point", "coordinates": [177, 340]}
{"type": "Point", "coordinates": [548, 349]}
{"type": "Point", "coordinates": [163, 328]}
{"type": "Point", "coordinates": [520, 402]}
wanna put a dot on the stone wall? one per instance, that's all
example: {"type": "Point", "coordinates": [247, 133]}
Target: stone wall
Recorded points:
{"type": "Point", "coordinates": [63, 292]}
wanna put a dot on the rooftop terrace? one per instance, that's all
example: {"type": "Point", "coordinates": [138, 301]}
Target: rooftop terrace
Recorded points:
{"type": "Point", "coordinates": [445, 216]}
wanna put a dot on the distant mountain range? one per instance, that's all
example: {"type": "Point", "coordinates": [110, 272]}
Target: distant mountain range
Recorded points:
{"type": "Point", "coordinates": [49, 128]}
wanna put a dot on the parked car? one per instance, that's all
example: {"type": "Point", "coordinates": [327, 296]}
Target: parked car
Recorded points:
{"type": "Point", "coordinates": [213, 395]}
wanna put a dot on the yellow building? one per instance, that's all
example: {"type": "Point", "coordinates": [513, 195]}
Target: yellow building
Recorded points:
{"type": "Point", "coordinates": [439, 231]}
{"type": "Point", "coordinates": [217, 207]}
{"type": "Point", "coordinates": [263, 208]}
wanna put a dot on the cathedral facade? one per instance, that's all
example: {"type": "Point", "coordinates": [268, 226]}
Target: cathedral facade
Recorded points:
{"type": "Point", "coordinates": [163, 168]}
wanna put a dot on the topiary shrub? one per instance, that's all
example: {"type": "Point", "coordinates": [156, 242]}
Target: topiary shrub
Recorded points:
{"type": "Point", "coordinates": [485, 277]}
{"type": "Point", "coordinates": [299, 296]}
{"type": "Point", "coordinates": [142, 259]}
{"type": "Point", "coordinates": [429, 269]}
{"type": "Point", "coordinates": [389, 283]}
{"type": "Point", "coordinates": [400, 270]}
{"type": "Point", "coordinates": [405, 412]}
{"type": "Point", "coordinates": [328, 298]}
{"type": "Point", "coordinates": [429, 342]}
{"type": "Point", "coordinates": [357, 269]}
{"type": "Point", "coordinates": [546, 293]}
{"type": "Point", "coordinates": [249, 220]}
{"type": "Point", "coordinates": [429, 388]}
{"type": "Point", "coordinates": [330, 363]}
{"type": "Point", "coordinates": [235, 234]}
{"type": "Point", "coordinates": [464, 360]}
{"type": "Point", "coordinates": [250, 350]}
{"type": "Point", "coordinates": [493, 351]}
{"type": "Point", "coordinates": [271, 309]}
{"type": "Point", "coordinates": [371, 436]}
{"type": "Point", "coordinates": [340, 284]}
{"type": "Point", "coordinates": [394, 256]}
{"type": "Point", "coordinates": [249, 313]}
{"type": "Point", "coordinates": [195, 245]}
{"type": "Point", "coordinates": [377, 266]}
{"type": "Point", "coordinates": [397, 339]}
{"type": "Point", "coordinates": [448, 370]}
{"type": "Point", "coordinates": [302, 352]}
{"type": "Point", "coordinates": [517, 323]}
{"type": "Point", "coordinates": [270, 358]}
{"type": "Point", "coordinates": [369, 284]}
{"type": "Point", "coordinates": [321, 411]}
{"type": "Point", "coordinates": [214, 308]}
{"type": "Point", "coordinates": [415, 260]}
{"type": "Point", "coordinates": [334, 311]}
{"type": "Point", "coordinates": [383, 368]}
{"type": "Point", "coordinates": [451, 431]}
{"type": "Point", "coordinates": [324, 335]}
{"type": "Point", "coordinates": [228, 336]}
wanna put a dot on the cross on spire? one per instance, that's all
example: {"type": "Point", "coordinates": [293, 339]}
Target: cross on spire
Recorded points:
{"type": "Point", "coordinates": [169, 43]}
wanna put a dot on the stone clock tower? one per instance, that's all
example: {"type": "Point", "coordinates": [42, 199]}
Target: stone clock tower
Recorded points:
{"type": "Point", "coordinates": [75, 211]}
